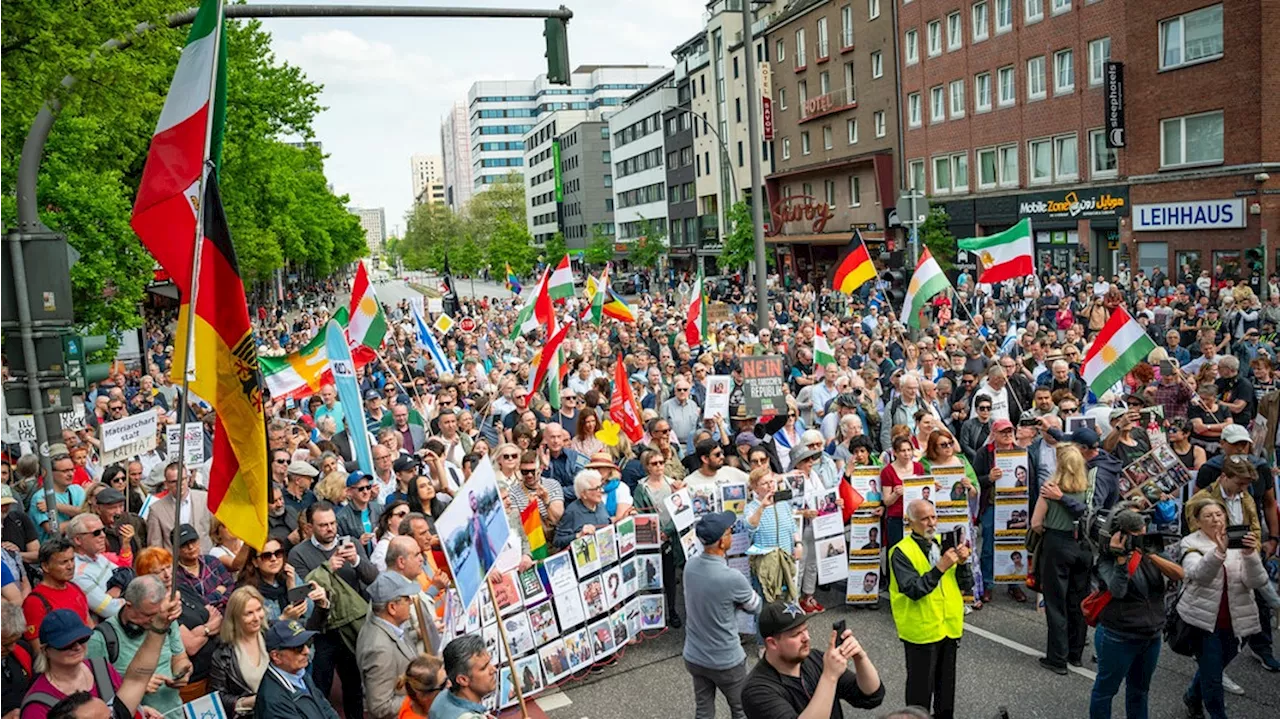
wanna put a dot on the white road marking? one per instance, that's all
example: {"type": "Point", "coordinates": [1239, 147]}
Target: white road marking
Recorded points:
{"type": "Point", "coordinates": [1017, 646]}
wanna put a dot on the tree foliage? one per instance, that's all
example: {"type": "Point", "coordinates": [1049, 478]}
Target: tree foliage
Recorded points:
{"type": "Point", "coordinates": [599, 248]}
{"type": "Point", "coordinates": [555, 248]}
{"type": "Point", "coordinates": [277, 200]}
{"type": "Point", "coordinates": [740, 244]}
{"type": "Point", "coordinates": [649, 247]}
{"type": "Point", "coordinates": [510, 243]}
{"type": "Point", "coordinates": [935, 235]}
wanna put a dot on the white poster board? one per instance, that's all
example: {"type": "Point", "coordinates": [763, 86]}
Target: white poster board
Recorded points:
{"type": "Point", "coordinates": [133, 435]}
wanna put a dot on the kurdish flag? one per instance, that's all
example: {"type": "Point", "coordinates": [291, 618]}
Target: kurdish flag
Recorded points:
{"type": "Point", "coordinates": [1004, 255]}
{"type": "Point", "coordinates": [1120, 345]}
{"type": "Point", "coordinates": [367, 325]}
{"type": "Point", "coordinates": [531, 519]}
{"type": "Point", "coordinates": [822, 353]}
{"type": "Point", "coordinates": [854, 267]}
{"type": "Point", "coordinates": [695, 325]}
{"type": "Point", "coordinates": [927, 281]}
{"type": "Point", "coordinates": [513, 282]}
{"type": "Point", "coordinates": [561, 285]}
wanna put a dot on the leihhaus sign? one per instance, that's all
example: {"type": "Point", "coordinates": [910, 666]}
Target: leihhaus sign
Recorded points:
{"type": "Point", "coordinates": [1195, 215]}
{"type": "Point", "coordinates": [1092, 202]}
{"type": "Point", "coordinates": [798, 208]}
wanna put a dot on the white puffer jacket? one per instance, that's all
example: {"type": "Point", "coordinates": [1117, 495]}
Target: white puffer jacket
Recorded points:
{"type": "Point", "coordinates": [1204, 566]}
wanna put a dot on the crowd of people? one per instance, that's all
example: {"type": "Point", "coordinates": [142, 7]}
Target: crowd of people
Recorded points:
{"type": "Point", "coordinates": [116, 591]}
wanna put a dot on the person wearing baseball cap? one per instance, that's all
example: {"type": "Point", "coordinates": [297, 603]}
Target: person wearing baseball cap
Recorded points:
{"type": "Point", "coordinates": [1001, 443]}
{"type": "Point", "coordinates": [287, 689]}
{"type": "Point", "coordinates": [297, 488]}
{"type": "Point", "coordinates": [792, 678]}
{"type": "Point", "coordinates": [713, 594]}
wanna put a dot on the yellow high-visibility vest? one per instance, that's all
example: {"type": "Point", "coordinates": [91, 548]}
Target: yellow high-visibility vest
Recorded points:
{"type": "Point", "coordinates": [937, 616]}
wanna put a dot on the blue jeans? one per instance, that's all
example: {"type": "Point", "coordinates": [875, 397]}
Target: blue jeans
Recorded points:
{"type": "Point", "coordinates": [1131, 661]}
{"type": "Point", "coordinates": [988, 558]}
{"type": "Point", "coordinates": [1217, 651]}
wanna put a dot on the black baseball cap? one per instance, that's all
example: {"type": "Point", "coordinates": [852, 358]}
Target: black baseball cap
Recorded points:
{"type": "Point", "coordinates": [713, 526]}
{"type": "Point", "coordinates": [779, 617]}
{"type": "Point", "coordinates": [405, 462]}
{"type": "Point", "coordinates": [187, 533]}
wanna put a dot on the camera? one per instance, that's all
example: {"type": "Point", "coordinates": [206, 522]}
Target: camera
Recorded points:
{"type": "Point", "coordinates": [782, 495]}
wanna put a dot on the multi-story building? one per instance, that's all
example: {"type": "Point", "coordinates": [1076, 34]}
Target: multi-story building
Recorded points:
{"type": "Point", "coordinates": [587, 177]}
{"type": "Point", "coordinates": [834, 107]}
{"type": "Point", "coordinates": [455, 141]}
{"type": "Point", "coordinates": [1002, 114]}
{"type": "Point", "coordinates": [501, 113]}
{"type": "Point", "coordinates": [542, 205]}
{"type": "Point", "coordinates": [682, 197]}
{"type": "Point", "coordinates": [428, 182]}
{"type": "Point", "coordinates": [639, 172]}
{"type": "Point", "coordinates": [373, 220]}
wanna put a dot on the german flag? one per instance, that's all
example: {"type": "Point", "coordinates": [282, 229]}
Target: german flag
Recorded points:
{"type": "Point", "coordinates": [225, 374]}
{"type": "Point", "coordinates": [854, 268]}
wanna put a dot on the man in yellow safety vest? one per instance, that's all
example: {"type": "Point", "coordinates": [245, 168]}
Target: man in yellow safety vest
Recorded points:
{"type": "Point", "coordinates": [926, 592]}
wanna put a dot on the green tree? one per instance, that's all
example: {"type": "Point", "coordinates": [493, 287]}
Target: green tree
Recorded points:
{"type": "Point", "coordinates": [554, 249]}
{"type": "Point", "coordinates": [510, 243]}
{"type": "Point", "coordinates": [649, 247]}
{"type": "Point", "coordinates": [466, 255]}
{"type": "Point", "coordinates": [599, 247]}
{"type": "Point", "coordinates": [429, 231]}
{"type": "Point", "coordinates": [935, 235]}
{"type": "Point", "coordinates": [740, 244]}
{"type": "Point", "coordinates": [502, 202]}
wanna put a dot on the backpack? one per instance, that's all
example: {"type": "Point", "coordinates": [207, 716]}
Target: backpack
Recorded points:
{"type": "Point", "coordinates": [101, 683]}
{"type": "Point", "coordinates": [1181, 637]}
{"type": "Point", "coordinates": [111, 639]}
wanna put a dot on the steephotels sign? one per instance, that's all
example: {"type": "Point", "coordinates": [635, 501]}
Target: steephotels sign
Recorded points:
{"type": "Point", "coordinates": [808, 208]}
{"type": "Point", "coordinates": [1114, 98]}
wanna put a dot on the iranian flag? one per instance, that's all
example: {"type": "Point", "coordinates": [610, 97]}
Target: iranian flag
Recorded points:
{"type": "Point", "coordinates": [695, 325]}
{"type": "Point", "coordinates": [822, 353]}
{"type": "Point", "coordinates": [927, 281]}
{"type": "Point", "coordinates": [1004, 255]}
{"type": "Point", "coordinates": [561, 287]}
{"type": "Point", "coordinates": [1120, 345]}
{"type": "Point", "coordinates": [367, 325]}
{"type": "Point", "coordinates": [299, 374]}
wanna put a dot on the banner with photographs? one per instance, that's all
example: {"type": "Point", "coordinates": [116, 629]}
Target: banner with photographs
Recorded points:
{"type": "Point", "coordinates": [866, 482]}
{"type": "Point", "coordinates": [863, 562]}
{"type": "Point", "coordinates": [1013, 467]}
{"type": "Point", "coordinates": [1157, 474]}
{"type": "Point", "coordinates": [1012, 517]}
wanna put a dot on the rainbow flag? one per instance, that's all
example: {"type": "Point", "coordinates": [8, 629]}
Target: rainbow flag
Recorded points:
{"type": "Point", "coordinates": [513, 283]}
{"type": "Point", "coordinates": [616, 308]}
{"type": "Point", "coordinates": [532, 522]}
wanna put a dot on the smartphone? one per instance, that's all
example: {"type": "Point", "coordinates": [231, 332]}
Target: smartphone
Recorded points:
{"type": "Point", "coordinates": [1235, 535]}
{"type": "Point", "coordinates": [951, 539]}
{"type": "Point", "coordinates": [782, 495]}
{"type": "Point", "coordinates": [1029, 422]}
{"type": "Point", "coordinates": [299, 594]}
{"type": "Point", "coordinates": [1166, 368]}
{"type": "Point", "coordinates": [839, 628]}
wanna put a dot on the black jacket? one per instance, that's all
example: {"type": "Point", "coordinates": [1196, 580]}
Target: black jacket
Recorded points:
{"type": "Point", "coordinates": [916, 586]}
{"type": "Point", "coordinates": [224, 671]}
{"type": "Point", "coordinates": [279, 700]}
{"type": "Point", "coordinates": [1136, 609]}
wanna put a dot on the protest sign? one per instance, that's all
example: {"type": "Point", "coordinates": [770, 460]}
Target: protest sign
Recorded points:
{"type": "Point", "coordinates": [1010, 562]}
{"type": "Point", "coordinates": [188, 438]}
{"type": "Point", "coordinates": [951, 483]}
{"type": "Point", "coordinates": [19, 428]}
{"type": "Point", "coordinates": [866, 481]}
{"type": "Point", "coordinates": [829, 521]}
{"type": "Point", "coordinates": [1012, 464]}
{"type": "Point", "coordinates": [472, 530]}
{"type": "Point", "coordinates": [132, 435]}
{"type": "Point", "coordinates": [763, 385]}
{"type": "Point", "coordinates": [733, 497]}
{"type": "Point", "coordinates": [864, 537]}
{"type": "Point", "coordinates": [833, 558]}
{"type": "Point", "coordinates": [717, 312]}
{"type": "Point", "coordinates": [719, 386]}
{"type": "Point", "coordinates": [680, 507]}
{"type": "Point", "coordinates": [1011, 516]}
{"type": "Point", "coordinates": [914, 488]}
{"type": "Point", "coordinates": [863, 584]}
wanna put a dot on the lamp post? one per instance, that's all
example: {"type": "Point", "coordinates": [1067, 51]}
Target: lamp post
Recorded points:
{"type": "Point", "coordinates": [724, 147]}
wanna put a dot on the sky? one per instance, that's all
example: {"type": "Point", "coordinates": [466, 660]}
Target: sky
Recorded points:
{"type": "Point", "coordinates": [389, 81]}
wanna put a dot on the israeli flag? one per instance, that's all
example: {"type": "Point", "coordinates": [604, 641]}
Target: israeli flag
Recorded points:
{"type": "Point", "coordinates": [208, 706]}
{"type": "Point", "coordinates": [427, 341]}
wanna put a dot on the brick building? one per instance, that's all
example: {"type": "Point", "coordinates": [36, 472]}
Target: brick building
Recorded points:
{"type": "Point", "coordinates": [834, 107]}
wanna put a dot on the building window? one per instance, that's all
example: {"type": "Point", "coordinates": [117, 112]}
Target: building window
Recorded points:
{"type": "Point", "coordinates": [935, 37]}
{"type": "Point", "coordinates": [800, 48]}
{"type": "Point", "coordinates": [1066, 158]}
{"type": "Point", "coordinates": [737, 109]}
{"type": "Point", "coordinates": [1035, 78]}
{"type": "Point", "coordinates": [846, 26]}
{"type": "Point", "coordinates": [1064, 78]}
{"type": "Point", "coordinates": [1102, 159]}
{"type": "Point", "coordinates": [824, 51]}
{"type": "Point", "coordinates": [873, 9]}
{"type": "Point", "coordinates": [739, 153]}
{"type": "Point", "coordinates": [780, 50]}
{"type": "Point", "coordinates": [982, 92]}
{"type": "Point", "coordinates": [806, 189]}
{"type": "Point", "coordinates": [988, 169]}
{"type": "Point", "coordinates": [1008, 165]}
{"type": "Point", "coordinates": [915, 171]}
{"type": "Point", "coordinates": [1191, 140]}
{"type": "Point", "coordinates": [829, 189]}
{"type": "Point", "coordinates": [850, 90]}
{"type": "Point", "coordinates": [881, 127]}
{"type": "Point", "coordinates": [1004, 16]}
{"type": "Point", "coordinates": [942, 175]}
{"type": "Point", "coordinates": [955, 32]}
{"type": "Point", "coordinates": [802, 89]}
{"type": "Point", "coordinates": [824, 82]}
{"type": "Point", "coordinates": [960, 172]}
{"type": "Point", "coordinates": [877, 65]}
{"type": "Point", "coordinates": [912, 42]}
{"type": "Point", "coordinates": [913, 110]}
{"type": "Point", "coordinates": [1007, 86]}
{"type": "Point", "coordinates": [1061, 6]}
{"type": "Point", "coordinates": [1035, 10]}
{"type": "Point", "coordinates": [937, 104]}
{"type": "Point", "coordinates": [827, 142]}
{"type": "Point", "coordinates": [1040, 162]}
{"type": "Point", "coordinates": [1191, 38]}
{"type": "Point", "coordinates": [979, 21]}
{"type": "Point", "coordinates": [957, 99]}
{"type": "Point", "coordinates": [855, 191]}
{"type": "Point", "coordinates": [851, 128]}
{"type": "Point", "coordinates": [786, 148]}
{"type": "Point", "coordinates": [782, 98]}
{"type": "Point", "coordinates": [804, 143]}
{"type": "Point", "coordinates": [1099, 54]}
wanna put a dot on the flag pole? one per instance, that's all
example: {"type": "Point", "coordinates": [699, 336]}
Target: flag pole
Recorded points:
{"type": "Point", "coordinates": [206, 168]}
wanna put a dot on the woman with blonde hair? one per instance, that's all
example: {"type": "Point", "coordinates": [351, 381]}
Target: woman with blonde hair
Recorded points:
{"type": "Point", "coordinates": [421, 682]}
{"type": "Point", "coordinates": [1065, 559]}
{"type": "Point", "coordinates": [241, 660]}
{"type": "Point", "coordinates": [332, 488]}
{"type": "Point", "coordinates": [507, 455]}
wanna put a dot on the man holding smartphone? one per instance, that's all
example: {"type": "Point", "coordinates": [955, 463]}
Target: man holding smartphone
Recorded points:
{"type": "Point", "coordinates": [792, 678]}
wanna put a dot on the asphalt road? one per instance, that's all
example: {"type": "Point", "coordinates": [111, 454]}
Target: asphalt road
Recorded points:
{"type": "Point", "coordinates": [997, 667]}
{"type": "Point", "coordinates": [397, 289]}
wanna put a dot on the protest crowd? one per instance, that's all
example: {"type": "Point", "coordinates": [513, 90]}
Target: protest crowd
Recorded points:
{"type": "Point", "coordinates": [509, 491]}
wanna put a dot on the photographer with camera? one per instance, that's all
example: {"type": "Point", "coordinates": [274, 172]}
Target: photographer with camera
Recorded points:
{"type": "Point", "coordinates": [1223, 569]}
{"type": "Point", "coordinates": [1128, 635]}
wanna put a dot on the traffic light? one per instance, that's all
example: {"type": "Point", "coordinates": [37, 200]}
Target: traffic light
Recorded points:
{"type": "Point", "coordinates": [75, 353]}
{"type": "Point", "coordinates": [1253, 259]}
{"type": "Point", "coordinates": [557, 34]}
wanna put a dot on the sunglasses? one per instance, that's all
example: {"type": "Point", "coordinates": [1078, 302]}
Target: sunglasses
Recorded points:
{"type": "Point", "coordinates": [73, 645]}
{"type": "Point", "coordinates": [510, 456]}
{"type": "Point", "coordinates": [277, 554]}
{"type": "Point", "coordinates": [365, 488]}
{"type": "Point", "coordinates": [946, 445]}
{"type": "Point", "coordinates": [97, 532]}
{"type": "Point", "coordinates": [280, 461]}
{"type": "Point", "coordinates": [760, 461]}
{"type": "Point", "coordinates": [984, 408]}
{"type": "Point", "coordinates": [528, 472]}
{"type": "Point", "coordinates": [400, 514]}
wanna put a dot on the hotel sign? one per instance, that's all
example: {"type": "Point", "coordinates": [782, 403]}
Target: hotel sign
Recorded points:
{"type": "Point", "coordinates": [798, 208]}
{"type": "Point", "coordinates": [766, 100]}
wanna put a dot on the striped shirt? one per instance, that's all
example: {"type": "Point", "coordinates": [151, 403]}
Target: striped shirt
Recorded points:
{"type": "Point", "coordinates": [777, 526]}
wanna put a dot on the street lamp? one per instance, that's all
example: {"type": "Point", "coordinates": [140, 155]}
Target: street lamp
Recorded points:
{"type": "Point", "coordinates": [724, 147]}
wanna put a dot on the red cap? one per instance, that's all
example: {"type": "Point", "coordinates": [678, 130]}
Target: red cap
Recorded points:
{"type": "Point", "coordinates": [1001, 424]}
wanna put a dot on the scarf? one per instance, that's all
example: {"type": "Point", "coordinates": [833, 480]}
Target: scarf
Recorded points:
{"type": "Point", "coordinates": [611, 496]}
{"type": "Point", "coordinates": [276, 592]}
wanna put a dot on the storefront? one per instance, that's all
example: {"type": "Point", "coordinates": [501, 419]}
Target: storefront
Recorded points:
{"type": "Point", "coordinates": [1208, 234]}
{"type": "Point", "coordinates": [1076, 227]}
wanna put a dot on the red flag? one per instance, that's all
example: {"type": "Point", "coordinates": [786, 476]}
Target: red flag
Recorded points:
{"type": "Point", "coordinates": [622, 406]}
{"type": "Point", "coordinates": [852, 499]}
{"type": "Point", "coordinates": [549, 351]}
